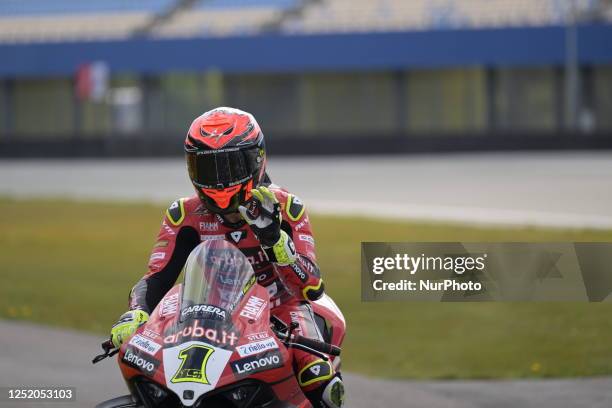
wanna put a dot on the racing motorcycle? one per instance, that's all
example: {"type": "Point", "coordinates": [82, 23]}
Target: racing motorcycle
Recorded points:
{"type": "Point", "coordinates": [211, 342]}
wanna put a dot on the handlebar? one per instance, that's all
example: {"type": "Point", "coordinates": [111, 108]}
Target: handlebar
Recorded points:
{"type": "Point", "coordinates": [317, 345]}
{"type": "Point", "coordinates": [313, 346]}
{"type": "Point", "coordinates": [109, 351]}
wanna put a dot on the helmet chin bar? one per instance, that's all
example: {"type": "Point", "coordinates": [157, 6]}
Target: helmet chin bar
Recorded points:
{"type": "Point", "coordinates": [240, 197]}
{"type": "Point", "coordinates": [212, 206]}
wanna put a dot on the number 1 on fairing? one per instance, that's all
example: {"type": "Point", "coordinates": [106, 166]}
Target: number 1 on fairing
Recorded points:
{"type": "Point", "coordinates": [193, 366]}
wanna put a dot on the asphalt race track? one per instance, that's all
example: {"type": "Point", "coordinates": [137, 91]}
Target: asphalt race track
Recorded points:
{"type": "Point", "coordinates": [32, 355]}
{"type": "Point", "coordinates": [547, 189]}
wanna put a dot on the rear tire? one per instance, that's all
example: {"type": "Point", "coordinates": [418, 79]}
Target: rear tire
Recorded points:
{"type": "Point", "coordinates": [120, 402]}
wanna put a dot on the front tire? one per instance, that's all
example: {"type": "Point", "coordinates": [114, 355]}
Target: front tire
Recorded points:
{"type": "Point", "coordinates": [125, 401]}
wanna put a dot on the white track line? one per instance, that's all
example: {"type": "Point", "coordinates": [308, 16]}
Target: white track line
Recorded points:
{"type": "Point", "coordinates": [460, 215]}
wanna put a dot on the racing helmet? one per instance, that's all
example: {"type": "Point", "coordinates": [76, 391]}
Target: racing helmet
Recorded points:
{"type": "Point", "coordinates": [226, 158]}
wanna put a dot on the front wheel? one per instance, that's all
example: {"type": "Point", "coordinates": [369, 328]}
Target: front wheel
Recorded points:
{"type": "Point", "coordinates": [120, 402]}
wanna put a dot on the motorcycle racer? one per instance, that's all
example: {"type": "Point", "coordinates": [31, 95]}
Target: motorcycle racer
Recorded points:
{"type": "Point", "coordinates": [236, 201]}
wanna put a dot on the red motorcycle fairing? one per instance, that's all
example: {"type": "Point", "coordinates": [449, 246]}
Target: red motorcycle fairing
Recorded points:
{"type": "Point", "coordinates": [198, 356]}
{"type": "Point", "coordinates": [333, 321]}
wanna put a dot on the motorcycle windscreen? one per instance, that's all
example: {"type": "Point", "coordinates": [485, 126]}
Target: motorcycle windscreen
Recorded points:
{"type": "Point", "coordinates": [216, 277]}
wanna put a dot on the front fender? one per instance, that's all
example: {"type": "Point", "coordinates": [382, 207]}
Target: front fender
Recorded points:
{"type": "Point", "coordinates": [125, 401]}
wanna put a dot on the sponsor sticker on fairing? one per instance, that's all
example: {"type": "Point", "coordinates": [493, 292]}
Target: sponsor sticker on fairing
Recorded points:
{"type": "Point", "coordinates": [135, 360]}
{"type": "Point", "coordinates": [257, 336]}
{"type": "Point", "coordinates": [196, 331]}
{"type": "Point", "coordinates": [257, 363]}
{"type": "Point", "coordinates": [256, 347]}
{"type": "Point", "coordinates": [169, 305]}
{"type": "Point", "coordinates": [204, 311]}
{"type": "Point", "coordinates": [151, 334]}
{"type": "Point", "coordinates": [144, 344]}
{"type": "Point", "coordinates": [253, 308]}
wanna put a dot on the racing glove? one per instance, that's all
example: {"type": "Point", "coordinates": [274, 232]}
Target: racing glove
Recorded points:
{"type": "Point", "coordinates": [127, 325]}
{"type": "Point", "coordinates": [264, 217]}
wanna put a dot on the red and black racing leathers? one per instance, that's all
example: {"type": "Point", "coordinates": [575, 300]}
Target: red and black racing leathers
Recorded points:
{"type": "Point", "coordinates": [187, 223]}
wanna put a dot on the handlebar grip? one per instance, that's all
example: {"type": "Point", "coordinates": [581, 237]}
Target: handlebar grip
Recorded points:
{"type": "Point", "coordinates": [318, 345]}
{"type": "Point", "coordinates": [109, 351]}
{"type": "Point", "coordinates": [108, 345]}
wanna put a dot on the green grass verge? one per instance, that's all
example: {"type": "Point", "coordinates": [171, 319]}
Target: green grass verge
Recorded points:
{"type": "Point", "coordinates": [72, 264]}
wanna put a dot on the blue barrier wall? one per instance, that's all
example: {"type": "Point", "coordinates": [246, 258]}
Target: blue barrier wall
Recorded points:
{"type": "Point", "coordinates": [275, 53]}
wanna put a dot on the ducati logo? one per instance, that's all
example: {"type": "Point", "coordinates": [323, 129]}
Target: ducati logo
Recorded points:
{"type": "Point", "coordinates": [316, 369]}
{"type": "Point", "coordinates": [236, 236]}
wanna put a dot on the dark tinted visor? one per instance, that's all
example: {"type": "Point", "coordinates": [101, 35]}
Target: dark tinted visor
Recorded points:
{"type": "Point", "coordinates": [221, 169]}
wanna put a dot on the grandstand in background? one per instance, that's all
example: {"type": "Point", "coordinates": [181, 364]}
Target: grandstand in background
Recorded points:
{"type": "Point", "coordinates": [74, 20]}
{"type": "Point", "coordinates": [419, 73]}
